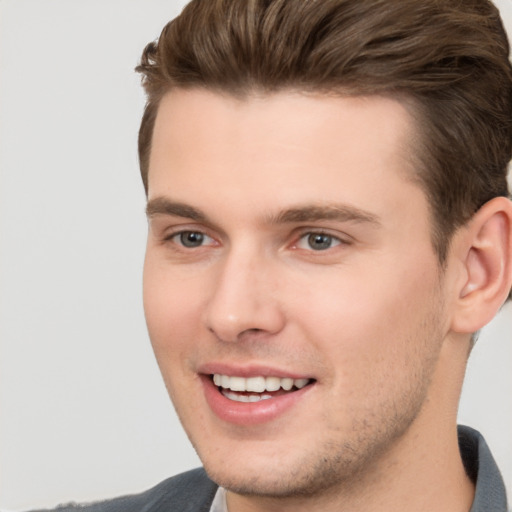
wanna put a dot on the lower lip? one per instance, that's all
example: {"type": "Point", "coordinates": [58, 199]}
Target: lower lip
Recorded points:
{"type": "Point", "coordinates": [249, 413]}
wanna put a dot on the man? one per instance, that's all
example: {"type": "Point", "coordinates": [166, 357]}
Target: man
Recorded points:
{"type": "Point", "coordinates": [329, 228]}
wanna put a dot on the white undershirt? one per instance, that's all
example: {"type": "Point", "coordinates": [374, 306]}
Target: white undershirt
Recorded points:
{"type": "Point", "coordinates": [219, 502]}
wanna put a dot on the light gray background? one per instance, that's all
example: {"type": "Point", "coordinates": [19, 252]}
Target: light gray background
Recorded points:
{"type": "Point", "coordinates": [84, 414]}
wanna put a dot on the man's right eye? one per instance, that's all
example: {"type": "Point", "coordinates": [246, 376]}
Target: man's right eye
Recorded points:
{"type": "Point", "coordinates": [191, 239]}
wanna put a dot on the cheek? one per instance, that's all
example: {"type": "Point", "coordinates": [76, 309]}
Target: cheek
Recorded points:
{"type": "Point", "coordinates": [380, 344]}
{"type": "Point", "coordinates": [171, 306]}
{"type": "Point", "coordinates": [172, 309]}
{"type": "Point", "coordinates": [371, 322]}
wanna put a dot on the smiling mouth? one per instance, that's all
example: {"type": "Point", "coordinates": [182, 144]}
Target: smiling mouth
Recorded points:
{"type": "Point", "coordinates": [255, 389]}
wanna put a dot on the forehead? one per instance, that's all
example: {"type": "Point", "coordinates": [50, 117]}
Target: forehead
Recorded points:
{"type": "Point", "coordinates": [281, 148]}
{"type": "Point", "coordinates": [287, 118]}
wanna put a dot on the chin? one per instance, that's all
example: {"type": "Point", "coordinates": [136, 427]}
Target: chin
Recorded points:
{"type": "Point", "coordinates": [284, 470]}
{"type": "Point", "coordinates": [261, 483]}
{"type": "Point", "coordinates": [279, 476]}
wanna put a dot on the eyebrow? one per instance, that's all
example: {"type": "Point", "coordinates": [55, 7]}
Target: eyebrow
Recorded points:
{"type": "Point", "coordinates": [311, 213]}
{"type": "Point", "coordinates": [164, 206]}
{"type": "Point", "coordinates": [300, 213]}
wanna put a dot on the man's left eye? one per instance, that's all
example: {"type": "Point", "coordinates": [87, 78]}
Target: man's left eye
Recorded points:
{"type": "Point", "coordinates": [317, 241]}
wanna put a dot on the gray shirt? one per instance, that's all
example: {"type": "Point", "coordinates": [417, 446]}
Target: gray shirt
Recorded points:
{"type": "Point", "coordinates": [490, 494]}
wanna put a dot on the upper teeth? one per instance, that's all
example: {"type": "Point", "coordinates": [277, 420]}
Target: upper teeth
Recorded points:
{"type": "Point", "coordinates": [257, 384]}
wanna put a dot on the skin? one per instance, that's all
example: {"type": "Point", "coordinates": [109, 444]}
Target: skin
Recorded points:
{"type": "Point", "coordinates": [369, 318]}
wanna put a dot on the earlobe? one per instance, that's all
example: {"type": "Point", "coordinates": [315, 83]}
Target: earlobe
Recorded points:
{"type": "Point", "coordinates": [487, 259]}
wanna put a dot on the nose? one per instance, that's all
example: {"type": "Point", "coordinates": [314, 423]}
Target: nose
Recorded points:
{"type": "Point", "coordinates": [244, 298]}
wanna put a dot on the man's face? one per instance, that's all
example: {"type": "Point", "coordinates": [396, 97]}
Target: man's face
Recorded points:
{"type": "Point", "coordinates": [292, 295]}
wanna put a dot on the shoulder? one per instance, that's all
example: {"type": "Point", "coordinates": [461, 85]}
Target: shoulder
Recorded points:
{"type": "Point", "coordinates": [191, 491]}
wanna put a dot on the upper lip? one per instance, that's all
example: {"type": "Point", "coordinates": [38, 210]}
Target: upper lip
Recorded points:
{"type": "Point", "coordinates": [251, 370]}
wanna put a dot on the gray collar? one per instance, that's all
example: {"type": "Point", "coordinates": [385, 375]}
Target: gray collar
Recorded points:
{"type": "Point", "coordinates": [490, 494]}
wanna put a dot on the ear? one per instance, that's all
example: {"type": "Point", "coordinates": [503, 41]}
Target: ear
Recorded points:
{"type": "Point", "coordinates": [485, 250]}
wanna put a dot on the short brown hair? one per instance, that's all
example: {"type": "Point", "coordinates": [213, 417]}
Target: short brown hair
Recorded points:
{"type": "Point", "coordinates": [448, 58]}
